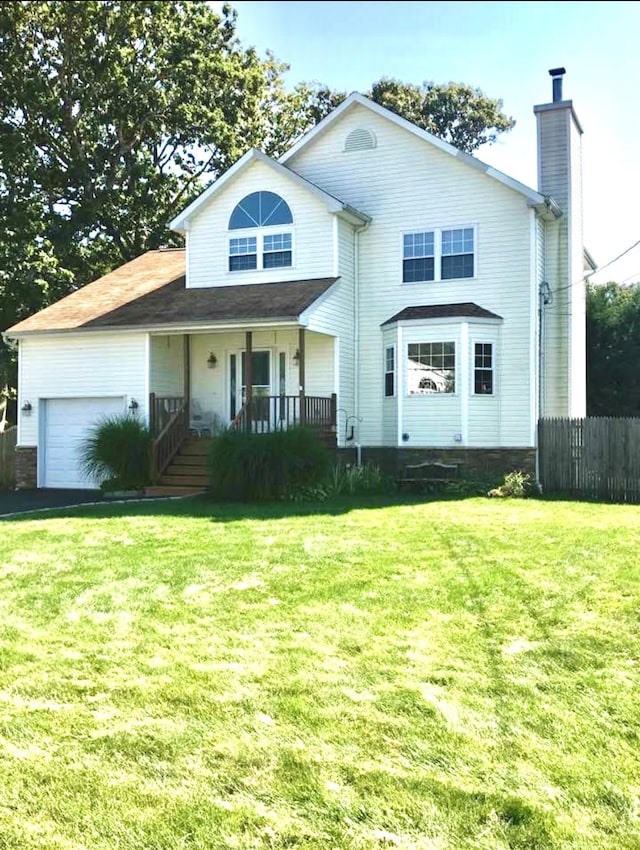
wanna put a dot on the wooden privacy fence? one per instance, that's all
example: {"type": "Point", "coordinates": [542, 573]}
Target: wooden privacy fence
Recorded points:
{"type": "Point", "coordinates": [593, 458]}
{"type": "Point", "coordinates": [7, 458]}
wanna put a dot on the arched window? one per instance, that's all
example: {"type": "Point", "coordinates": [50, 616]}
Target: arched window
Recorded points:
{"type": "Point", "coordinates": [260, 251]}
{"type": "Point", "coordinates": [260, 209]}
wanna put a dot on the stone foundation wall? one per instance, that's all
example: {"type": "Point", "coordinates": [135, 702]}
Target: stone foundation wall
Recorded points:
{"type": "Point", "coordinates": [474, 463]}
{"type": "Point", "coordinates": [26, 467]}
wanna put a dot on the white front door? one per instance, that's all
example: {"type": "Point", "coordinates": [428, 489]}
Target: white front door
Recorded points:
{"type": "Point", "coordinates": [261, 380]}
{"type": "Point", "coordinates": [65, 424]}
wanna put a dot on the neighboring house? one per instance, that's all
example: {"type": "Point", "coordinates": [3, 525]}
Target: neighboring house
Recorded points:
{"type": "Point", "coordinates": [374, 276]}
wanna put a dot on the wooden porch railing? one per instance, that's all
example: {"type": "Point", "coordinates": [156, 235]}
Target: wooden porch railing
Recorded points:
{"type": "Point", "coordinates": [169, 425]}
{"type": "Point", "coordinates": [264, 414]}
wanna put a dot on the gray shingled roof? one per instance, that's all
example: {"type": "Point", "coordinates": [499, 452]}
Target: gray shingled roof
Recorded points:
{"type": "Point", "coordinates": [173, 304]}
{"type": "Point", "coordinates": [467, 309]}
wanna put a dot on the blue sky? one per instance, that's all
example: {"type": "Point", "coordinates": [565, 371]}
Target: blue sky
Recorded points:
{"type": "Point", "coordinates": [504, 48]}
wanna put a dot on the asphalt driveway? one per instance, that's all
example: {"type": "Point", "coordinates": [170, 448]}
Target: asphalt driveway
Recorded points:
{"type": "Point", "coordinates": [19, 501]}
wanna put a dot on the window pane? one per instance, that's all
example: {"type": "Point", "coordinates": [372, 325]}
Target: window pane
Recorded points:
{"type": "Point", "coordinates": [418, 270]}
{"type": "Point", "coordinates": [484, 382]}
{"type": "Point", "coordinates": [456, 266]}
{"type": "Point", "coordinates": [430, 368]}
{"type": "Point", "coordinates": [243, 262]}
{"type": "Point", "coordinates": [260, 209]}
{"type": "Point", "coordinates": [418, 245]}
{"type": "Point", "coordinates": [457, 241]}
{"type": "Point", "coordinates": [276, 259]}
{"type": "Point", "coordinates": [389, 388]}
{"type": "Point", "coordinates": [259, 368]}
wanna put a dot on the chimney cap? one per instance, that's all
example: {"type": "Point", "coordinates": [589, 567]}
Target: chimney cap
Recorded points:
{"type": "Point", "coordinates": [557, 72]}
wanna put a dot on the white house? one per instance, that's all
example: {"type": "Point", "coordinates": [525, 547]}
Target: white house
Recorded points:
{"type": "Point", "coordinates": [375, 280]}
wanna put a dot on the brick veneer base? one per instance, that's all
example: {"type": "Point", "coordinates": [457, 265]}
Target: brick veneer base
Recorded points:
{"type": "Point", "coordinates": [26, 467]}
{"type": "Point", "coordinates": [473, 462]}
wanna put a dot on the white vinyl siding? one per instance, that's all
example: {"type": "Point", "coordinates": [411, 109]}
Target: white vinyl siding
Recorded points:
{"type": "Point", "coordinates": [335, 316]}
{"type": "Point", "coordinates": [401, 184]}
{"type": "Point", "coordinates": [80, 365]}
{"type": "Point", "coordinates": [312, 233]}
{"type": "Point", "coordinates": [167, 365]}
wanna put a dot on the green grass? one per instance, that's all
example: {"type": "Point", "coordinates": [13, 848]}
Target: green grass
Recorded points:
{"type": "Point", "coordinates": [418, 676]}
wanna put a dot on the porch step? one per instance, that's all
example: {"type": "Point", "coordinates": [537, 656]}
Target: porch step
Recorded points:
{"type": "Point", "coordinates": [170, 479]}
{"type": "Point", "coordinates": [159, 490]}
{"type": "Point", "coordinates": [197, 446]}
{"type": "Point", "coordinates": [190, 467]}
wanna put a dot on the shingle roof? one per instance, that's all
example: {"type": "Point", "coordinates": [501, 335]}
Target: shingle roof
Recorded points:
{"type": "Point", "coordinates": [466, 309]}
{"type": "Point", "coordinates": [150, 291]}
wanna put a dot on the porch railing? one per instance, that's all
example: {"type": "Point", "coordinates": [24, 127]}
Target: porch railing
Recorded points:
{"type": "Point", "coordinates": [169, 424]}
{"type": "Point", "coordinates": [264, 414]}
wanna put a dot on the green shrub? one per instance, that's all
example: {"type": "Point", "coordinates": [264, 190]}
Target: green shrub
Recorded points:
{"type": "Point", "coordinates": [341, 481]}
{"type": "Point", "coordinates": [516, 485]}
{"type": "Point", "coordinates": [116, 453]}
{"type": "Point", "coordinates": [249, 467]}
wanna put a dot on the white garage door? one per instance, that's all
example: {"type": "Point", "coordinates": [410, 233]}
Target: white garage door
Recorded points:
{"type": "Point", "coordinates": [66, 422]}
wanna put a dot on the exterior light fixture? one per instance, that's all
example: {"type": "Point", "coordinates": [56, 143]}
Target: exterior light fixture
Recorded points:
{"type": "Point", "coordinates": [212, 361]}
{"type": "Point", "coordinates": [296, 356]}
{"type": "Point", "coordinates": [26, 408]}
{"type": "Point", "coordinates": [133, 405]}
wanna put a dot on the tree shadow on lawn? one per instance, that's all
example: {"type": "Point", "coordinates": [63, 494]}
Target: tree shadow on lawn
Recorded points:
{"type": "Point", "coordinates": [205, 506]}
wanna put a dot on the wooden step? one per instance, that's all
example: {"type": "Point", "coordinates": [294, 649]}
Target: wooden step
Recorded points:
{"type": "Point", "coordinates": [191, 460]}
{"type": "Point", "coordinates": [192, 480]}
{"type": "Point", "coordinates": [195, 447]}
{"type": "Point", "coordinates": [178, 467]}
{"type": "Point", "coordinates": [159, 490]}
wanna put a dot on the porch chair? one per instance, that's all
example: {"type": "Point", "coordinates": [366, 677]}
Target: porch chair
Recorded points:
{"type": "Point", "coordinates": [200, 421]}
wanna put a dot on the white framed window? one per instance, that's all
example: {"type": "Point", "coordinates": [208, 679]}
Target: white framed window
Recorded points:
{"type": "Point", "coordinates": [390, 371]}
{"type": "Point", "coordinates": [276, 250]}
{"type": "Point", "coordinates": [243, 253]}
{"type": "Point", "coordinates": [418, 256]}
{"type": "Point", "coordinates": [439, 254]}
{"type": "Point", "coordinates": [431, 368]}
{"type": "Point", "coordinates": [457, 258]}
{"type": "Point", "coordinates": [483, 367]}
{"type": "Point", "coordinates": [260, 250]}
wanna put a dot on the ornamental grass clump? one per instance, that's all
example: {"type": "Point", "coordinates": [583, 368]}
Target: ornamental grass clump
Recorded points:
{"type": "Point", "coordinates": [115, 453]}
{"type": "Point", "coordinates": [251, 467]}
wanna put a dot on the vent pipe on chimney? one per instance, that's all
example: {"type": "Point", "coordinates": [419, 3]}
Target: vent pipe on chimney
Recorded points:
{"type": "Point", "coordinates": [557, 75]}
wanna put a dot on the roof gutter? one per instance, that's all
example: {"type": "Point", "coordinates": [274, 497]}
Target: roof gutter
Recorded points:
{"type": "Point", "coordinates": [225, 325]}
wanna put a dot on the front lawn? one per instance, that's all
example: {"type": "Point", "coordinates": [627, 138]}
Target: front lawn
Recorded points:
{"type": "Point", "coordinates": [181, 675]}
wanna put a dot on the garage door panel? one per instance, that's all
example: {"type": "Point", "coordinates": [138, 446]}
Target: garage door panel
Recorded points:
{"type": "Point", "coordinates": [67, 422]}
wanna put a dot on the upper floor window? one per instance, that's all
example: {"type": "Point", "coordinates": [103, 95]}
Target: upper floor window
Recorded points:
{"type": "Point", "coordinates": [438, 255]}
{"type": "Point", "coordinates": [260, 209]}
{"type": "Point", "coordinates": [457, 253]}
{"type": "Point", "coordinates": [267, 250]}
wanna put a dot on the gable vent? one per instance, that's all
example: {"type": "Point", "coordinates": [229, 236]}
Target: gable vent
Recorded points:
{"type": "Point", "coordinates": [360, 140]}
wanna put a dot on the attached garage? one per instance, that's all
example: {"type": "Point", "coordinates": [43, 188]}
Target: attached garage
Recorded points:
{"type": "Point", "coordinates": [64, 424]}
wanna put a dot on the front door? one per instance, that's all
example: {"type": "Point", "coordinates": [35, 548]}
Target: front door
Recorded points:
{"type": "Point", "coordinates": [260, 383]}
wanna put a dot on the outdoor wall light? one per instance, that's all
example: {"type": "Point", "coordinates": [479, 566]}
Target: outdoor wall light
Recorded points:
{"type": "Point", "coordinates": [296, 357]}
{"type": "Point", "coordinates": [212, 361]}
{"type": "Point", "coordinates": [27, 408]}
{"type": "Point", "coordinates": [133, 405]}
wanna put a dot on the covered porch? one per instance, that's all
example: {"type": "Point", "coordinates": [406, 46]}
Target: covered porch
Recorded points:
{"type": "Point", "coordinates": [261, 380]}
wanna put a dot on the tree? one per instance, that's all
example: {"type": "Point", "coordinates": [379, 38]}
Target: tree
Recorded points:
{"type": "Point", "coordinates": [457, 113]}
{"type": "Point", "coordinates": [111, 114]}
{"type": "Point", "coordinates": [613, 350]}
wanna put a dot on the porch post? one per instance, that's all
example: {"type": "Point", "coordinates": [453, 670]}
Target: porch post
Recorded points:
{"type": "Point", "coordinates": [301, 375]}
{"type": "Point", "coordinates": [186, 378]}
{"type": "Point", "coordinates": [248, 373]}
